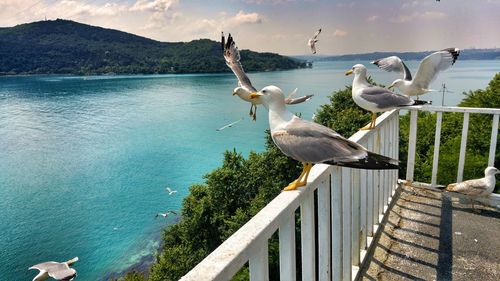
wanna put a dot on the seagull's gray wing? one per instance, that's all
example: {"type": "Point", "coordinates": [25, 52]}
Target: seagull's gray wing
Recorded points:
{"type": "Point", "coordinates": [310, 142]}
{"type": "Point", "coordinates": [48, 265]}
{"type": "Point", "coordinates": [63, 274]}
{"type": "Point", "coordinates": [298, 100]}
{"type": "Point", "coordinates": [384, 98]}
{"type": "Point", "coordinates": [394, 63]}
{"type": "Point", "coordinates": [433, 64]}
{"type": "Point", "coordinates": [315, 36]}
{"type": "Point", "coordinates": [232, 57]}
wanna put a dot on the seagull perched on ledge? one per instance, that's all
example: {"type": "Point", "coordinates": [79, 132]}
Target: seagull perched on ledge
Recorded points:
{"type": "Point", "coordinates": [476, 188]}
{"type": "Point", "coordinates": [311, 143]}
{"type": "Point", "coordinates": [245, 87]}
{"type": "Point", "coordinates": [374, 98]}
{"type": "Point", "coordinates": [56, 270]}
{"type": "Point", "coordinates": [427, 71]}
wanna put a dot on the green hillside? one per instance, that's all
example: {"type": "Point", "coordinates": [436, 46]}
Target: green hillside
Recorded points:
{"type": "Point", "coordinates": [68, 47]}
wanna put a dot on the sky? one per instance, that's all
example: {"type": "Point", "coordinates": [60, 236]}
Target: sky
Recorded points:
{"type": "Point", "coordinates": [284, 26]}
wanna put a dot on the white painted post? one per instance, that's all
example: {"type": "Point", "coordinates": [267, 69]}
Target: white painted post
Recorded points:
{"type": "Point", "coordinates": [337, 246]}
{"type": "Point", "coordinates": [259, 263]}
{"type": "Point", "coordinates": [363, 208]}
{"type": "Point", "coordinates": [307, 237]}
{"type": "Point", "coordinates": [287, 249]}
{"type": "Point", "coordinates": [437, 142]}
{"type": "Point", "coordinates": [396, 149]}
{"type": "Point", "coordinates": [386, 141]}
{"type": "Point", "coordinates": [463, 145]}
{"type": "Point", "coordinates": [376, 180]}
{"type": "Point", "coordinates": [346, 223]}
{"type": "Point", "coordinates": [412, 142]}
{"type": "Point", "coordinates": [356, 213]}
{"type": "Point", "coordinates": [369, 198]}
{"type": "Point", "coordinates": [493, 141]}
{"type": "Point", "coordinates": [324, 258]}
{"type": "Point", "coordinates": [381, 185]}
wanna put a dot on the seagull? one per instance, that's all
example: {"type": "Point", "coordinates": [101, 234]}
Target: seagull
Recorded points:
{"type": "Point", "coordinates": [229, 125]}
{"type": "Point", "coordinates": [312, 143]}
{"type": "Point", "coordinates": [427, 72]}
{"type": "Point", "coordinates": [170, 191]}
{"type": "Point", "coordinates": [56, 270]}
{"type": "Point", "coordinates": [245, 87]}
{"type": "Point", "coordinates": [312, 42]}
{"type": "Point", "coordinates": [165, 214]}
{"type": "Point", "coordinates": [476, 188]}
{"type": "Point", "coordinates": [374, 98]}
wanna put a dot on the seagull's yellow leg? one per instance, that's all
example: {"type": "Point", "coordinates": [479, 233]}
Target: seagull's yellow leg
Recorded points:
{"type": "Point", "coordinates": [372, 122]}
{"type": "Point", "coordinates": [299, 182]}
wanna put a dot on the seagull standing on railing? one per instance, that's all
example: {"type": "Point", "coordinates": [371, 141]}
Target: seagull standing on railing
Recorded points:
{"type": "Point", "coordinates": [374, 98]}
{"type": "Point", "coordinates": [427, 71]}
{"type": "Point", "coordinates": [245, 87]}
{"type": "Point", "coordinates": [311, 143]}
{"type": "Point", "coordinates": [56, 270]}
{"type": "Point", "coordinates": [476, 188]}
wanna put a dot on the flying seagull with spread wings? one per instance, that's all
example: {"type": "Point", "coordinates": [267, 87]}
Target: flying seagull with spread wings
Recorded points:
{"type": "Point", "coordinates": [427, 72]}
{"type": "Point", "coordinates": [170, 190]}
{"type": "Point", "coordinates": [374, 98]}
{"type": "Point", "coordinates": [229, 125]}
{"type": "Point", "coordinates": [166, 214]}
{"type": "Point", "coordinates": [245, 87]}
{"type": "Point", "coordinates": [311, 143]}
{"type": "Point", "coordinates": [312, 42]}
{"type": "Point", "coordinates": [56, 270]}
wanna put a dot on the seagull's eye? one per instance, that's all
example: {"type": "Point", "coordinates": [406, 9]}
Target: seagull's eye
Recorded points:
{"type": "Point", "coordinates": [264, 91]}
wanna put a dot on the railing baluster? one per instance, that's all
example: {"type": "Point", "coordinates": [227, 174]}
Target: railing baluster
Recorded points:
{"type": "Point", "coordinates": [463, 145]}
{"type": "Point", "coordinates": [381, 178]}
{"type": "Point", "coordinates": [307, 237]}
{"type": "Point", "coordinates": [386, 142]}
{"type": "Point", "coordinates": [376, 180]}
{"type": "Point", "coordinates": [369, 198]}
{"type": "Point", "coordinates": [363, 208]}
{"type": "Point", "coordinates": [396, 149]}
{"type": "Point", "coordinates": [346, 223]}
{"type": "Point", "coordinates": [324, 230]}
{"type": "Point", "coordinates": [337, 246]}
{"type": "Point", "coordinates": [356, 213]}
{"type": "Point", "coordinates": [412, 141]}
{"type": "Point", "coordinates": [258, 263]}
{"type": "Point", "coordinates": [493, 141]}
{"type": "Point", "coordinates": [287, 249]}
{"type": "Point", "coordinates": [437, 142]}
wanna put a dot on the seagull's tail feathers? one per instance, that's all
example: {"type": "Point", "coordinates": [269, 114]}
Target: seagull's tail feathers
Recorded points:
{"type": "Point", "coordinates": [421, 102]}
{"type": "Point", "coordinates": [372, 161]}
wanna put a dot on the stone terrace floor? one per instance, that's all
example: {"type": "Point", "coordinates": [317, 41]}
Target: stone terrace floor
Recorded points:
{"type": "Point", "coordinates": [430, 235]}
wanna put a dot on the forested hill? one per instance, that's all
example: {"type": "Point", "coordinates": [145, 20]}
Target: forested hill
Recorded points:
{"type": "Point", "coordinates": [68, 47]}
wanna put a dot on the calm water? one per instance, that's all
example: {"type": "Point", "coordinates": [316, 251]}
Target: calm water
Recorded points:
{"type": "Point", "coordinates": [84, 162]}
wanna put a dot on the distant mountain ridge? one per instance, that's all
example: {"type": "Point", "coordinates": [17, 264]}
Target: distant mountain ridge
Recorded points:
{"type": "Point", "coordinates": [68, 47]}
{"type": "Point", "coordinates": [465, 54]}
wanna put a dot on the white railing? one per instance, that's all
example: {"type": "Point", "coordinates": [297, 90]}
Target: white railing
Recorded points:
{"type": "Point", "coordinates": [412, 142]}
{"type": "Point", "coordinates": [350, 205]}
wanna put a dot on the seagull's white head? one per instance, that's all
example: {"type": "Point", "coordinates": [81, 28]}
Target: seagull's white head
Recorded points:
{"type": "Point", "coordinates": [270, 96]}
{"type": "Point", "coordinates": [491, 171]}
{"type": "Point", "coordinates": [239, 91]}
{"type": "Point", "coordinates": [357, 69]}
{"type": "Point", "coordinates": [397, 83]}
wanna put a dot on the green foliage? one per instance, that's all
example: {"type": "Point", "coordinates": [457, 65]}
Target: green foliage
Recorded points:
{"type": "Point", "coordinates": [478, 141]}
{"type": "Point", "coordinates": [68, 47]}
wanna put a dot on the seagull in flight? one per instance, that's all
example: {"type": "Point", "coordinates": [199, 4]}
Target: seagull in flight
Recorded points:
{"type": "Point", "coordinates": [170, 191]}
{"type": "Point", "coordinates": [312, 42]}
{"type": "Point", "coordinates": [229, 125]}
{"type": "Point", "coordinates": [165, 214]}
{"type": "Point", "coordinates": [427, 72]}
{"type": "Point", "coordinates": [311, 143]}
{"type": "Point", "coordinates": [245, 87]}
{"type": "Point", "coordinates": [56, 270]}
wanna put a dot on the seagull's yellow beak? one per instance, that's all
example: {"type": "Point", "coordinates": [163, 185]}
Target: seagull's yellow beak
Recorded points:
{"type": "Point", "coordinates": [349, 72]}
{"type": "Point", "coordinates": [255, 95]}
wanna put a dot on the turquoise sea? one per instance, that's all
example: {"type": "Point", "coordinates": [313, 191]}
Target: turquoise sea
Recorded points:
{"type": "Point", "coordinates": [84, 161]}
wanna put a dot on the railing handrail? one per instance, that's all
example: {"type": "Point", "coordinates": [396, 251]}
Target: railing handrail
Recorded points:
{"type": "Point", "coordinates": [225, 261]}
{"type": "Point", "coordinates": [433, 108]}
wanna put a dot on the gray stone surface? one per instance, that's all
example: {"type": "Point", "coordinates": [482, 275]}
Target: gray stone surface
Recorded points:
{"type": "Point", "coordinates": [430, 235]}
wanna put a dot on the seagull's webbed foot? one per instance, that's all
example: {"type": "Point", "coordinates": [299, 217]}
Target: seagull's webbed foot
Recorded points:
{"type": "Point", "coordinates": [372, 123]}
{"type": "Point", "coordinates": [302, 179]}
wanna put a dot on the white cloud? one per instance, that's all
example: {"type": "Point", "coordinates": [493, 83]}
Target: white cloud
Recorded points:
{"type": "Point", "coordinates": [161, 6]}
{"type": "Point", "coordinates": [340, 33]}
{"type": "Point", "coordinates": [245, 18]}
{"type": "Point", "coordinates": [428, 15]}
{"type": "Point", "coordinates": [372, 18]}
